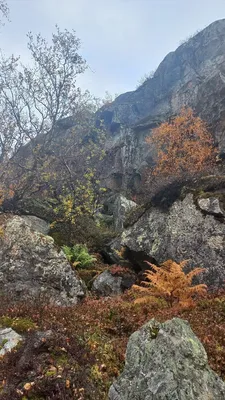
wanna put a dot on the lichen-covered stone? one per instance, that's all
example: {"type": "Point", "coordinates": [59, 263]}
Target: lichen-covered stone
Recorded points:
{"type": "Point", "coordinates": [122, 207]}
{"type": "Point", "coordinates": [8, 340]}
{"type": "Point", "coordinates": [211, 205]}
{"type": "Point", "coordinates": [37, 224]}
{"type": "Point", "coordinates": [117, 207]}
{"type": "Point", "coordinates": [32, 266]}
{"type": "Point", "coordinates": [166, 362]}
{"type": "Point", "coordinates": [182, 232]}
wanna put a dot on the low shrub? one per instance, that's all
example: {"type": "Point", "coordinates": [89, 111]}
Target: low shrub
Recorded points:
{"type": "Point", "coordinates": [87, 350]}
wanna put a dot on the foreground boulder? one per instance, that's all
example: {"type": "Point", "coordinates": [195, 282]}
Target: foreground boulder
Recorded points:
{"type": "Point", "coordinates": [31, 266]}
{"type": "Point", "coordinates": [166, 362]}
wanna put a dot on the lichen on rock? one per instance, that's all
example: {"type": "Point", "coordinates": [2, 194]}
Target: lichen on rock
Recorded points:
{"type": "Point", "coordinates": [169, 365]}
{"type": "Point", "coordinates": [32, 266]}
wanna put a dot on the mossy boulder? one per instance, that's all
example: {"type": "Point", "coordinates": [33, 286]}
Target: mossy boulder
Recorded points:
{"type": "Point", "coordinates": [166, 361]}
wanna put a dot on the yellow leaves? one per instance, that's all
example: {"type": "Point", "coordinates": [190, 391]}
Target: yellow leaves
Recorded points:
{"type": "Point", "coordinates": [96, 374]}
{"type": "Point", "coordinates": [121, 252]}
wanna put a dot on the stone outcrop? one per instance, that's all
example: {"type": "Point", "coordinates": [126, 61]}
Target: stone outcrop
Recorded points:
{"type": "Point", "coordinates": [37, 224]}
{"type": "Point", "coordinates": [193, 75]}
{"type": "Point", "coordinates": [118, 206]}
{"type": "Point", "coordinates": [32, 266]}
{"type": "Point", "coordinates": [182, 232]}
{"type": "Point", "coordinates": [166, 361]}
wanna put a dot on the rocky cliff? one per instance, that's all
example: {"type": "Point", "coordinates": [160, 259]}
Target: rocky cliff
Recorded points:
{"type": "Point", "coordinates": [193, 75]}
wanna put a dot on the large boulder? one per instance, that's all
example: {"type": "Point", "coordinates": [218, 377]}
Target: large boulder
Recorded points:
{"type": "Point", "coordinates": [181, 232]}
{"type": "Point", "coordinates": [122, 206]}
{"type": "Point", "coordinates": [166, 362]}
{"type": "Point", "coordinates": [31, 265]}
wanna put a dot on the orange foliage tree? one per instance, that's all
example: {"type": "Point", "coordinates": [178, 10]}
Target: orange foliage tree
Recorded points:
{"type": "Point", "coordinates": [170, 282]}
{"type": "Point", "coordinates": [183, 145]}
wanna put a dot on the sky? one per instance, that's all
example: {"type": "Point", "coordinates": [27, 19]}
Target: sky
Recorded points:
{"type": "Point", "coordinates": [122, 40]}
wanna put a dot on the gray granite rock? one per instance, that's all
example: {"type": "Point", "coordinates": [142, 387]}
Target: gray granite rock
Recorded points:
{"type": "Point", "coordinates": [211, 205]}
{"type": "Point", "coordinates": [107, 285]}
{"type": "Point", "coordinates": [182, 232]}
{"type": "Point", "coordinates": [31, 266]}
{"type": "Point", "coordinates": [117, 207]}
{"type": "Point", "coordinates": [37, 224]}
{"type": "Point", "coordinates": [166, 361]}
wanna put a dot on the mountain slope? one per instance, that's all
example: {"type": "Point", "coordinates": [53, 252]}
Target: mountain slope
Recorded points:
{"type": "Point", "coordinates": [193, 75]}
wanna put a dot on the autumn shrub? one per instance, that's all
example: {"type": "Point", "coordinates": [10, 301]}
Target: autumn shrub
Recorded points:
{"type": "Point", "coordinates": [170, 282]}
{"type": "Point", "coordinates": [184, 152]}
{"type": "Point", "coordinates": [118, 270]}
{"type": "Point", "coordinates": [78, 255]}
{"type": "Point", "coordinates": [183, 145]}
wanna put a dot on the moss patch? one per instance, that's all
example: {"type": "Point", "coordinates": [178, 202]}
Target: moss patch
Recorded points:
{"type": "Point", "coordinates": [20, 325]}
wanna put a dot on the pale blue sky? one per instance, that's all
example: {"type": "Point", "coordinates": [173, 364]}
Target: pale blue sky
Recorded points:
{"type": "Point", "coordinates": [121, 39]}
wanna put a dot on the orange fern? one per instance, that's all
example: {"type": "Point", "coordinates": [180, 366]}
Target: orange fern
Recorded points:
{"type": "Point", "coordinates": [170, 282]}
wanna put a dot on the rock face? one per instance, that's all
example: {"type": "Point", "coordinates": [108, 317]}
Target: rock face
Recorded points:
{"type": "Point", "coordinates": [118, 206]}
{"type": "Point", "coordinates": [31, 265]}
{"type": "Point", "coordinates": [37, 224]}
{"type": "Point", "coordinates": [166, 362]}
{"type": "Point", "coordinates": [193, 75]}
{"type": "Point", "coordinates": [180, 233]}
